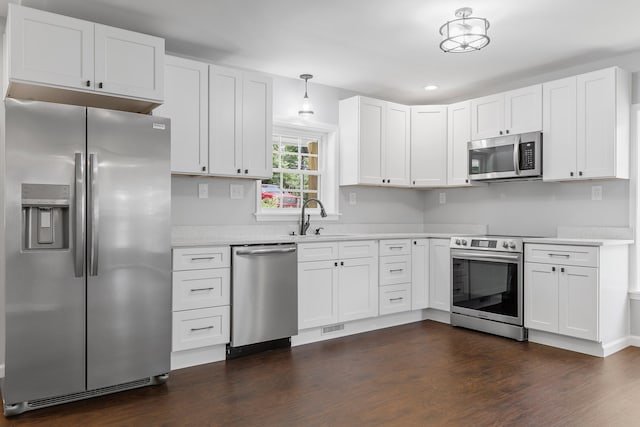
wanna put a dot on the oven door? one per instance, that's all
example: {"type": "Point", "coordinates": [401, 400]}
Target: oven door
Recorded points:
{"type": "Point", "coordinates": [487, 285]}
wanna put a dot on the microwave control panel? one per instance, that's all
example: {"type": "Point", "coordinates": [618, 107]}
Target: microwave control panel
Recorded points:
{"type": "Point", "coordinates": [527, 155]}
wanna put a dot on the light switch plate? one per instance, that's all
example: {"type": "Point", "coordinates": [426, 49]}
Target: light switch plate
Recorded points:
{"type": "Point", "coordinates": [236, 191]}
{"type": "Point", "coordinates": [353, 199]}
{"type": "Point", "coordinates": [443, 198]}
{"type": "Point", "coordinates": [203, 191]}
{"type": "Point", "coordinates": [596, 192]}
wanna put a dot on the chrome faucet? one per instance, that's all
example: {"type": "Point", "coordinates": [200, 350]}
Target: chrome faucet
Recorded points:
{"type": "Point", "coordinates": [304, 226]}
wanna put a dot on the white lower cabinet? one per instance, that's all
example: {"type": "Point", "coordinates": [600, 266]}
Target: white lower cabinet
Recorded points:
{"type": "Point", "coordinates": [439, 274]}
{"type": "Point", "coordinates": [420, 274]}
{"type": "Point", "coordinates": [201, 297]}
{"type": "Point", "coordinates": [395, 298]}
{"type": "Point", "coordinates": [564, 298]}
{"type": "Point", "coordinates": [333, 289]}
{"type": "Point", "coordinates": [395, 276]}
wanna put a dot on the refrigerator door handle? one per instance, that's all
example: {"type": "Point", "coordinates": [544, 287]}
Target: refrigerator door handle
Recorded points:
{"type": "Point", "coordinates": [79, 216]}
{"type": "Point", "coordinates": [93, 212]}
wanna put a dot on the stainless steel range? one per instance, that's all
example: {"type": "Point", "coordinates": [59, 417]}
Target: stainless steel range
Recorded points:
{"type": "Point", "coordinates": [487, 285]}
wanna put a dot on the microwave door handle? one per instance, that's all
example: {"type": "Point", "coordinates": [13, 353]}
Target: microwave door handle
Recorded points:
{"type": "Point", "coordinates": [516, 156]}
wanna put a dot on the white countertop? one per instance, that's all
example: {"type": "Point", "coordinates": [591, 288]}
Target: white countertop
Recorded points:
{"type": "Point", "coordinates": [248, 240]}
{"type": "Point", "coordinates": [576, 241]}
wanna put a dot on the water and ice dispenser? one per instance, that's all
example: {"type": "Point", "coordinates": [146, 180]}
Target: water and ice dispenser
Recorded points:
{"type": "Point", "coordinates": [45, 216]}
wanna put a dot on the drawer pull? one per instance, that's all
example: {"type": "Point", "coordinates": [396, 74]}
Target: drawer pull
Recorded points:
{"type": "Point", "coordinates": [395, 270]}
{"type": "Point", "coordinates": [396, 299]}
{"type": "Point", "coordinates": [396, 247]}
{"type": "Point", "coordinates": [204, 258]}
{"type": "Point", "coordinates": [560, 255]}
{"type": "Point", "coordinates": [201, 289]}
{"type": "Point", "coordinates": [201, 329]}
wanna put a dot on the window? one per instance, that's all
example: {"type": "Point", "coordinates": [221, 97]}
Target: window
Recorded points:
{"type": "Point", "coordinates": [305, 165]}
{"type": "Point", "coordinates": [296, 172]}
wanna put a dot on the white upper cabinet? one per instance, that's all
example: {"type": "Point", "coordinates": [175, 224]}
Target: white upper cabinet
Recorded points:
{"type": "Point", "coordinates": [240, 123]}
{"type": "Point", "coordinates": [128, 63]}
{"type": "Point", "coordinates": [513, 112]}
{"type": "Point", "coordinates": [429, 146]}
{"type": "Point", "coordinates": [56, 58]}
{"type": "Point", "coordinates": [586, 126]}
{"type": "Point", "coordinates": [186, 104]}
{"type": "Point", "coordinates": [374, 142]}
{"type": "Point", "coordinates": [225, 121]}
{"type": "Point", "coordinates": [459, 134]}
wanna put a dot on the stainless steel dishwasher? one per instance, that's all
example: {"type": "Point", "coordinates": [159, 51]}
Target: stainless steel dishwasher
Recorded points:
{"type": "Point", "coordinates": [264, 298]}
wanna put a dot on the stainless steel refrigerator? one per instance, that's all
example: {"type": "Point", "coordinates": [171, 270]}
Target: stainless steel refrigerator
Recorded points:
{"type": "Point", "coordinates": [87, 247]}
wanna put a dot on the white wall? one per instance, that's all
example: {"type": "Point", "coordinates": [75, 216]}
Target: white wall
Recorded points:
{"type": "Point", "coordinates": [532, 208]}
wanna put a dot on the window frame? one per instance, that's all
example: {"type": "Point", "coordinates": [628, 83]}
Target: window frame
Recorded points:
{"type": "Point", "coordinates": [327, 171]}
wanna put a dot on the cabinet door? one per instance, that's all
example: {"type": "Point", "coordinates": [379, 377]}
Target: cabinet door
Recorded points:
{"type": "Point", "coordinates": [578, 302]}
{"type": "Point", "coordinates": [559, 128]}
{"type": "Point", "coordinates": [317, 294]}
{"type": "Point", "coordinates": [49, 48]}
{"type": "Point", "coordinates": [397, 146]}
{"type": "Point", "coordinates": [458, 135]}
{"type": "Point", "coordinates": [358, 289]}
{"type": "Point", "coordinates": [523, 110]}
{"type": "Point", "coordinates": [257, 122]}
{"type": "Point", "coordinates": [420, 274]}
{"type": "Point", "coordinates": [186, 96]}
{"type": "Point", "coordinates": [596, 134]}
{"type": "Point", "coordinates": [429, 146]}
{"type": "Point", "coordinates": [541, 297]}
{"type": "Point", "coordinates": [373, 129]}
{"type": "Point", "coordinates": [439, 275]}
{"type": "Point", "coordinates": [487, 116]}
{"type": "Point", "coordinates": [225, 121]}
{"type": "Point", "coordinates": [129, 63]}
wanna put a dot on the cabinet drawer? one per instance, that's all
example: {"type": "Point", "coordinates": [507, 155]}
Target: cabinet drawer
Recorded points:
{"type": "Point", "coordinates": [200, 288]}
{"type": "Point", "coordinates": [395, 247]}
{"type": "Point", "coordinates": [200, 328]}
{"type": "Point", "coordinates": [317, 251]}
{"type": "Point", "coordinates": [395, 298]}
{"type": "Point", "coordinates": [585, 256]}
{"type": "Point", "coordinates": [395, 269]}
{"type": "Point", "coordinates": [358, 249]}
{"type": "Point", "coordinates": [200, 258]}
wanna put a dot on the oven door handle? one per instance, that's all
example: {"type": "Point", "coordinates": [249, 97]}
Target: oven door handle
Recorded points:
{"type": "Point", "coordinates": [478, 257]}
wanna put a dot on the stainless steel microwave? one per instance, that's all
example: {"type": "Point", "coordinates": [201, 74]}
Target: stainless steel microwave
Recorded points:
{"type": "Point", "coordinates": [506, 158]}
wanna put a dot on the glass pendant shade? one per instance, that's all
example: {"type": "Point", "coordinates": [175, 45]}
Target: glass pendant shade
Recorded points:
{"type": "Point", "coordinates": [465, 34]}
{"type": "Point", "coordinates": [306, 110]}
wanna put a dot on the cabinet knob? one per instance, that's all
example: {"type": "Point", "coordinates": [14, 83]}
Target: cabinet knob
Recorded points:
{"type": "Point", "coordinates": [100, 85]}
{"type": "Point", "coordinates": [87, 83]}
{"type": "Point", "coordinates": [239, 170]}
{"type": "Point", "coordinates": [466, 181]}
{"type": "Point", "coordinates": [561, 269]}
{"type": "Point", "coordinates": [335, 264]}
{"type": "Point", "coordinates": [204, 168]}
{"type": "Point", "coordinates": [507, 131]}
{"type": "Point", "coordinates": [384, 180]}
{"type": "Point", "coordinates": [500, 132]}
{"type": "Point", "coordinates": [414, 183]}
{"type": "Point", "coordinates": [553, 269]}
{"type": "Point", "coordinates": [388, 181]}
{"type": "Point", "coordinates": [341, 262]}
{"type": "Point", "coordinates": [571, 173]}
{"type": "Point", "coordinates": [415, 242]}
{"type": "Point", "coordinates": [246, 171]}
{"type": "Point", "coordinates": [580, 173]}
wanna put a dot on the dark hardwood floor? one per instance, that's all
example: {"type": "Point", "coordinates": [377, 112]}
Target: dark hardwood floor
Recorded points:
{"type": "Point", "coordinates": [421, 374]}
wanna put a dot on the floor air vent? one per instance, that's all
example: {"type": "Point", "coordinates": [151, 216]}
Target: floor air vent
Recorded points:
{"type": "Point", "coordinates": [334, 328]}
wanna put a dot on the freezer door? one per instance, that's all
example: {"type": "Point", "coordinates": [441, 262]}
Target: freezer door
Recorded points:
{"type": "Point", "coordinates": [128, 247]}
{"type": "Point", "coordinates": [45, 297]}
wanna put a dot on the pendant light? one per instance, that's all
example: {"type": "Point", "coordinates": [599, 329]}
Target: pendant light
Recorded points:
{"type": "Point", "coordinates": [465, 34]}
{"type": "Point", "coordinates": [306, 110]}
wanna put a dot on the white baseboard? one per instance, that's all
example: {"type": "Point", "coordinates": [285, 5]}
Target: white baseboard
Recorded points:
{"type": "Point", "coordinates": [198, 356]}
{"type": "Point", "coordinates": [634, 340]}
{"type": "Point", "coordinates": [438, 315]}
{"type": "Point", "coordinates": [615, 346]}
{"type": "Point", "coordinates": [312, 335]}
{"type": "Point", "coordinates": [582, 346]}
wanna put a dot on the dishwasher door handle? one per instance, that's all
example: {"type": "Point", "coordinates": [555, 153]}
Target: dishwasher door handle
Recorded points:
{"type": "Point", "coordinates": [266, 251]}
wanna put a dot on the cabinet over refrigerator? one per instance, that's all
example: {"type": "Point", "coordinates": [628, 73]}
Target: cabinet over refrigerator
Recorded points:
{"type": "Point", "coordinates": [87, 245]}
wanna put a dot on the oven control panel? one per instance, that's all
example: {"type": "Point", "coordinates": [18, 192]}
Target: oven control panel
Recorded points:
{"type": "Point", "coordinates": [500, 244]}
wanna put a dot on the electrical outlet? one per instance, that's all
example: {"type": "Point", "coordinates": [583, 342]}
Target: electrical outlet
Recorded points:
{"type": "Point", "coordinates": [443, 198]}
{"type": "Point", "coordinates": [236, 191]}
{"type": "Point", "coordinates": [203, 191]}
{"type": "Point", "coordinates": [596, 192]}
{"type": "Point", "coordinates": [352, 199]}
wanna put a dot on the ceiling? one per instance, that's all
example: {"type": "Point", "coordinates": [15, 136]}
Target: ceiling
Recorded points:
{"type": "Point", "coordinates": [381, 48]}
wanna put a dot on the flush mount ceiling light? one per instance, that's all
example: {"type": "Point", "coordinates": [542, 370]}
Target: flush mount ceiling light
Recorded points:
{"type": "Point", "coordinates": [306, 110]}
{"type": "Point", "coordinates": [464, 34]}
{"type": "Point", "coordinates": [431, 87]}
